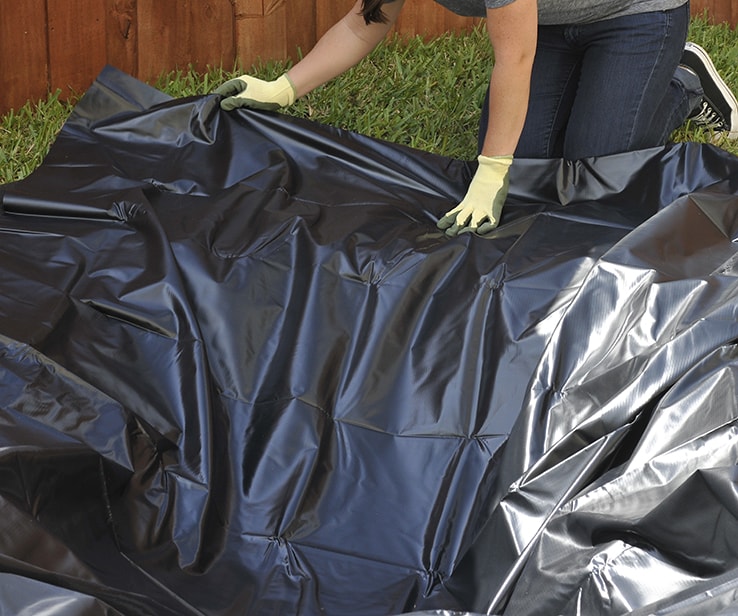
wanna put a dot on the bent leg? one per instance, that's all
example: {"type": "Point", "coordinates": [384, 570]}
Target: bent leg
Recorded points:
{"type": "Point", "coordinates": [628, 66]}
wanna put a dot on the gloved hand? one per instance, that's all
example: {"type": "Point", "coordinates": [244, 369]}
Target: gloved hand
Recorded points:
{"type": "Point", "coordinates": [480, 209]}
{"type": "Point", "coordinates": [247, 91]}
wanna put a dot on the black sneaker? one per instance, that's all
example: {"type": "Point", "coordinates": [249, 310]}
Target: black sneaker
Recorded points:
{"type": "Point", "coordinates": [719, 108]}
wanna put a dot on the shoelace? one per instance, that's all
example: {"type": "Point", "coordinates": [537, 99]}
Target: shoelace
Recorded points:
{"type": "Point", "coordinates": [708, 116]}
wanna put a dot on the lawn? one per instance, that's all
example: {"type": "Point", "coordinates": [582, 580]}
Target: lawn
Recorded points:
{"type": "Point", "coordinates": [425, 94]}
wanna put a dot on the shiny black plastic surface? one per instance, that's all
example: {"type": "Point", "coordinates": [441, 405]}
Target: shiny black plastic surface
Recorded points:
{"type": "Point", "coordinates": [242, 372]}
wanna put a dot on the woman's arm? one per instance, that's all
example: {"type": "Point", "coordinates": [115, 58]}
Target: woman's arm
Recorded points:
{"type": "Point", "coordinates": [341, 47]}
{"type": "Point", "coordinates": [513, 32]}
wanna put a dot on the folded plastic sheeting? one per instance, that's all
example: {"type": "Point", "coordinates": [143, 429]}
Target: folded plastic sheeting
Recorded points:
{"type": "Point", "coordinates": [242, 372]}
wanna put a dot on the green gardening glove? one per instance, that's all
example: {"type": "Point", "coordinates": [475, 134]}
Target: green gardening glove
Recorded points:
{"type": "Point", "coordinates": [480, 209]}
{"type": "Point", "coordinates": [247, 91]}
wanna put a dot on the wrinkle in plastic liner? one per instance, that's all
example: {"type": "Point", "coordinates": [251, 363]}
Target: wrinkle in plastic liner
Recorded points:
{"type": "Point", "coordinates": [242, 372]}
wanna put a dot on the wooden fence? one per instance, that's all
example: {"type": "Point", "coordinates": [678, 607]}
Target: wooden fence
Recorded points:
{"type": "Point", "coordinates": [47, 45]}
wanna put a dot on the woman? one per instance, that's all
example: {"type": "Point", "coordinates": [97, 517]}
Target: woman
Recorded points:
{"type": "Point", "coordinates": [571, 79]}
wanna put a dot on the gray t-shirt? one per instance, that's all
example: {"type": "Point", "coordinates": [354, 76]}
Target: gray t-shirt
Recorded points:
{"type": "Point", "coordinates": [552, 12]}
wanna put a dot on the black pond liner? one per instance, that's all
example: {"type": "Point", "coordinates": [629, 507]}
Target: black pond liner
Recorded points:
{"type": "Point", "coordinates": [242, 372]}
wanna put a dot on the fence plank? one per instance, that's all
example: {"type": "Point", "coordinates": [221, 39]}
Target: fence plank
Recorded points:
{"type": "Point", "coordinates": [301, 27]}
{"type": "Point", "coordinates": [282, 30]}
{"type": "Point", "coordinates": [76, 51]}
{"type": "Point", "coordinates": [173, 34]}
{"type": "Point", "coordinates": [261, 37]}
{"type": "Point", "coordinates": [122, 35]}
{"type": "Point", "coordinates": [24, 71]}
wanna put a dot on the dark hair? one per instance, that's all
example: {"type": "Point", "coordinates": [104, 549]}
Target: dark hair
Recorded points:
{"type": "Point", "coordinates": [371, 10]}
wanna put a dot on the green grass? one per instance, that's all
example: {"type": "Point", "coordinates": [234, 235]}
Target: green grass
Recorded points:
{"type": "Point", "coordinates": [27, 133]}
{"type": "Point", "coordinates": [425, 94]}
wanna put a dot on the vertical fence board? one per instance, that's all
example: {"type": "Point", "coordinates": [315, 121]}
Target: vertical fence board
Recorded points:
{"type": "Point", "coordinates": [301, 27]}
{"type": "Point", "coordinates": [174, 34]}
{"type": "Point", "coordinates": [249, 8]}
{"type": "Point", "coordinates": [274, 30]}
{"type": "Point", "coordinates": [122, 35]}
{"type": "Point", "coordinates": [161, 25]}
{"type": "Point", "coordinates": [76, 43]}
{"type": "Point", "coordinates": [211, 31]}
{"type": "Point", "coordinates": [24, 72]}
{"type": "Point", "coordinates": [261, 37]}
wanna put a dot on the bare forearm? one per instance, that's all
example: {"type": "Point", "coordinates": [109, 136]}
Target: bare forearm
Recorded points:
{"type": "Point", "coordinates": [513, 34]}
{"type": "Point", "coordinates": [340, 48]}
{"type": "Point", "coordinates": [508, 103]}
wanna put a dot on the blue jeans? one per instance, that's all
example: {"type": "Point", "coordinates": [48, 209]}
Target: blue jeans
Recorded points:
{"type": "Point", "coordinates": [607, 87]}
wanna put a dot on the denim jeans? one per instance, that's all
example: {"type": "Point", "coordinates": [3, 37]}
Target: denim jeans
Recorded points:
{"type": "Point", "coordinates": [607, 87]}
